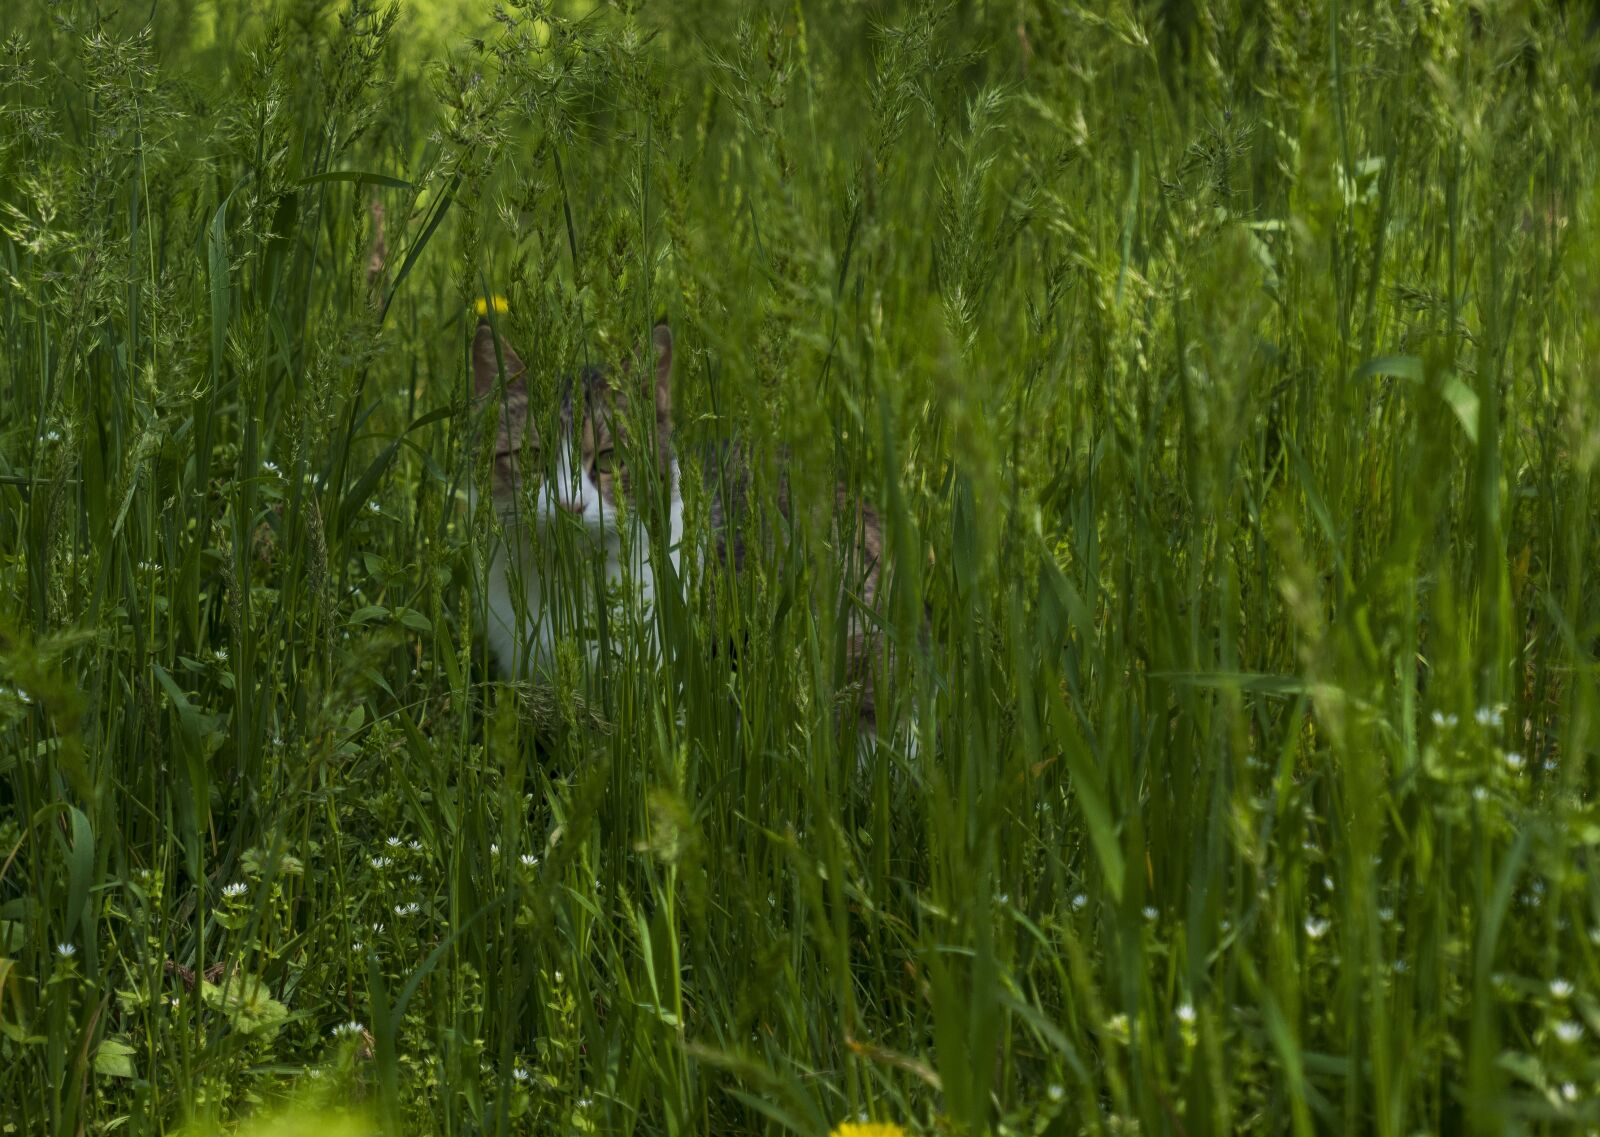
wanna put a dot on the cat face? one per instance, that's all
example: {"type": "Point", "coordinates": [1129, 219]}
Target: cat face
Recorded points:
{"type": "Point", "coordinates": [601, 434]}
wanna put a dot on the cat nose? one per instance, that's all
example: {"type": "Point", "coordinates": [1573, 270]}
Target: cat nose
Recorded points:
{"type": "Point", "coordinates": [574, 506]}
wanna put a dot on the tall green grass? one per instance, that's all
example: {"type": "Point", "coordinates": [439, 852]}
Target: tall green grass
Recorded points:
{"type": "Point", "coordinates": [1224, 371]}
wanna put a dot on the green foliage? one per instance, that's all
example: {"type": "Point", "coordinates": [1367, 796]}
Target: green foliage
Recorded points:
{"type": "Point", "coordinates": [1224, 372]}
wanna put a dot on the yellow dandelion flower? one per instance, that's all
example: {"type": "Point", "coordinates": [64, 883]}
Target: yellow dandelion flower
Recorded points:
{"type": "Point", "coordinates": [868, 1129]}
{"type": "Point", "coordinates": [497, 302]}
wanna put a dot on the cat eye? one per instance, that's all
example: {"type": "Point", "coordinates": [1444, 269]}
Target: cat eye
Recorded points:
{"type": "Point", "coordinates": [603, 461]}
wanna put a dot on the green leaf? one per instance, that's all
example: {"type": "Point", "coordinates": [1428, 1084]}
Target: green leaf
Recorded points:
{"type": "Point", "coordinates": [1408, 367]}
{"type": "Point", "coordinates": [357, 497]}
{"type": "Point", "coordinates": [80, 871]}
{"type": "Point", "coordinates": [439, 210]}
{"type": "Point", "coordinates": [1089, 786]}
{"type": "Point", "coordinates": [414, 620]}
{"type": "Point", "coordinates": [359, 177]}
{"type": "Point", "coordinates": [1464, 401]}
{"type": "Point", "coordinates": [370, 613]}
{"type": "Point", "coordinates": [114, 1059]}
{"type": "Point", "coordinates": [246, 1003]}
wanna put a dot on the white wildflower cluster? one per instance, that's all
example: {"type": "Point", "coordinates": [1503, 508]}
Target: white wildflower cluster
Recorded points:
{"type": "Point", "coordinates": [235, 890]}
{"type": "Point", "coordinates": [349, 1028]}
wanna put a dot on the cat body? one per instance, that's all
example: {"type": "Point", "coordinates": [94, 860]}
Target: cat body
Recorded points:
{"type": "Point", "coordinates": [523, 599]}
{"type": "Point", "coordinates": [596, 483]}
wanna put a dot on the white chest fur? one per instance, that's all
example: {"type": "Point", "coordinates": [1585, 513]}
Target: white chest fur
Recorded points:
{"type": "Point", "coordinates": [543, 590]}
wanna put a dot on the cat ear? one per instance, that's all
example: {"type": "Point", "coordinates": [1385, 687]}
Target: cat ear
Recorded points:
{"type": "Point", "coordinates": [485, 366]}
{"type": "Point", "coordinates": [661, 346]}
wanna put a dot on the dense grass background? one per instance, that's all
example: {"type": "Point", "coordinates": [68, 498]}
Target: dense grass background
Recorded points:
{"type": "Point", "coordinates": [1226, 371]}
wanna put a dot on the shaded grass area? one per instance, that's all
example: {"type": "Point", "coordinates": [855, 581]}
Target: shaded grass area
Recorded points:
{"type": "Point", "coordinates": [1225, 375]}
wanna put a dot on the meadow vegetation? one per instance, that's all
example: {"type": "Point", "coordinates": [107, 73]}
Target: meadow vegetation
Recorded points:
{"type": "Point", "coordinates": [1225, 373]}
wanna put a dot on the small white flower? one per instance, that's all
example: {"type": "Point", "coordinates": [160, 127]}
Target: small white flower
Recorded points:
{"type": "Point", "coordinates": [520, 1074]}
{"type": "Point", "coordinates": [1560, 988]}
{"type": "Point", "coordinates": [1569, 1091]}
{"type": "Point", "coordinates": [1440, 719]}
{"type": "Point", "coordinates": [394, 842]}
{"type": "Point", "coordinates": [494, 849]}
{"type": "Point", "coordinates": [1150, 913]}
{"type": "Point", "coordinates": [1568, 1031]}
{"type": "Point", "coordinates": [379, 862]}
{"type": "Point", "coordinates": [1480, 793]}
{"type": "Point", "coordinates": [236, 889]}
{"type": "Point", "coordinates": [1514, 761]}
{"type": "Point", "coordinates": [351, 1027]}
{"type": "Point", "coordinates": [1055, 1092]}
{"type": "Point", "coordinates": [1386, 914]}
{"type": "Point", "coordinates": [414, 845]}
{"type": "Point", "coordinates": [377, 927]}
{"type": "Point", "coordinates": [1186, 1014]}
{"type": "Point", "coordinates": [1488, 716]}
{"type": "Point", "coordinates": [1400, 967]}
{"type": "Point", "coordinates": [410, 909]}
{"type": "Point", "coordinates": [222, 655]}
{"type": "Point", "coordinates": [528, 860]}
{"type": "Point", "coordinates": [374, 508]}
{"type": "Point", "coordinates": [1080, 901]}
{"type": "Point", "coordinates": [585, 1103]}
{"type": "Point", "coordinates": [1316, 927]}
{"type": "Point", "coordinates": [66, 951]}
{"type": "Point", "coordinates": [149, 566]}
{"type": "Point", "coordinates": [558, 977]}
{"type": "Point", "coordinates": [414, 877]}
{"type": "Point", "coordinates": [52, 435]}
{"type": "Point", "coordinates": [357, 945]}
{"type": "Point", "coordinates": [174, 1002]}
{"type": "Point", "coordinates": [271, 467]}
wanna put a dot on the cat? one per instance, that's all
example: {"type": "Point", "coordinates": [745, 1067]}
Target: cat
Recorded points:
{"type": "Point", "coordinates": [587, 500]}
{"type": "Point", "coordinates": [581, 500]}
